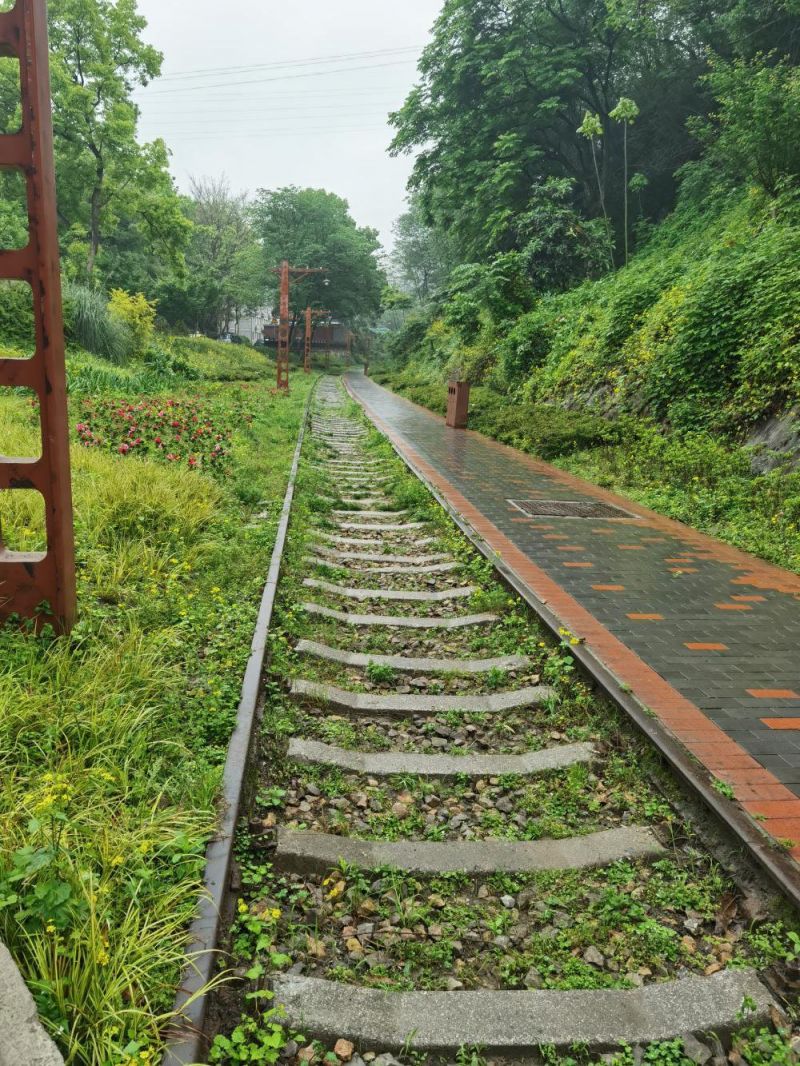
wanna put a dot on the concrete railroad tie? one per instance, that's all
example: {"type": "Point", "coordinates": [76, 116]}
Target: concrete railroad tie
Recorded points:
{"type": "Point", "coordinates": [397, 595]}
{"type": "Point", "coordinates": [379, 557]}
{"type": "Point", "coordinates": [408, 665]}
{"type": "Point", "coordinates": [523, 1022]}
{"type": "Point", "coordinates": [396, 527]}
{"type": "Point", "coordinates": [397, 703]}
{"type": "Point", "coordinates": [387, 764]}
{"type": "Point", "coordinates": [376, 545]}
{"type": "Point", "coordinates": [304, 852]}
{"type": "Point", "coordinates": [437, 568]}
{"type": "Point", "coordinates": [400, 621]}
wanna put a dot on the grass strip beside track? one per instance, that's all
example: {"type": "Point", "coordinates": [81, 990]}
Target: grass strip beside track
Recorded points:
{"type": "Point", "coordinates": [113, 740]}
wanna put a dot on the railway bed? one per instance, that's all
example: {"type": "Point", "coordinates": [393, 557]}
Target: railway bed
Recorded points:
{"type": "Point", "coordinates": [459, 850]}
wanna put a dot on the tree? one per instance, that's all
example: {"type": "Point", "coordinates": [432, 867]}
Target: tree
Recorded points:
{"type": "Point", "coordinates": [225, 276]}
{"type": "Point", "coordinates": [626, 112]}
{"type": "Point", "coordinates": [422, 257]}
{"type": "Point", "coordinates": [503, 88]}
{"type": "Point", "coordinates": [105, 177]}
{"type": "Point", "coordinates": [752, 133]}
{"type": "Point", "coordinates": [314, 228]}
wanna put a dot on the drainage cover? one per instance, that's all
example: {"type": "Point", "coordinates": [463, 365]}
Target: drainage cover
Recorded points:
{"type": "Point", "coordinates": [569, 509]}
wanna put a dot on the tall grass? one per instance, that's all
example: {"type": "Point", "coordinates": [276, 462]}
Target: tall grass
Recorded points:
{"type": "Point", "coordinates": [89, 323]}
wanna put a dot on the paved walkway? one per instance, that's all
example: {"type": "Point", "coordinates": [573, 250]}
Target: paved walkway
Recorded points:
{"type": "Point", "coordinates": [706, 637]}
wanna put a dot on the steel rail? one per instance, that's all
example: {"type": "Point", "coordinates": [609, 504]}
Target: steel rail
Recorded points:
{"type": "Point", "coordinates": [187, 1040]}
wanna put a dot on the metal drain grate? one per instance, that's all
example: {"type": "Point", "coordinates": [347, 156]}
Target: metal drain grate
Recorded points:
{"type": "Point", "coordinates": [569, 509]}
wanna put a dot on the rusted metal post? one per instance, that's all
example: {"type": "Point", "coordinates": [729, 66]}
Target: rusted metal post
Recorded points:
{"type": "Point", "coordinates": [285, 273]}
{"type": "Point", "coordinates": [311, 314]}
{"type": "Point", "coordinates": [307, 342]}
{"type": "Point", "coordinates": [458, 402]}
{"type": "Point", "coordinates": [283, 330]}
{"type": "Point", "coordinates": [38, 585]}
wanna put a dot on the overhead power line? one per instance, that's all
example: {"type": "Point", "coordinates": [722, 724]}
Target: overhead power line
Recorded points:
{"type": "Point", "coordinates": [281, 77]}
{"type": "Point", "coordinates": [199, 72]}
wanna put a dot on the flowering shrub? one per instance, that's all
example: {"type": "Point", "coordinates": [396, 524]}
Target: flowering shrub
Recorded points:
{"type": "Point", "coordinates": [185, 431]}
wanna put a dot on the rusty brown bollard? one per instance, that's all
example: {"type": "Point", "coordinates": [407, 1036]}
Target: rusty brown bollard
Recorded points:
{"type": "Point", "coordinates": [458, 404]}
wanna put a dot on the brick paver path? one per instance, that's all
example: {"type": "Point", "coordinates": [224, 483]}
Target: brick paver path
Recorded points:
{"type": "Point", "coordinates": [707, 637]}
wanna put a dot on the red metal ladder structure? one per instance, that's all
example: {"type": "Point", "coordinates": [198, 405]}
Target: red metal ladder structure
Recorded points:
{"type": "Point", "coordinates": [37, 585]}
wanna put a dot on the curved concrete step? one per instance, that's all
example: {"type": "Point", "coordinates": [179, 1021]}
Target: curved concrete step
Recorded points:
{"type": "Point", "coordinates": [396, 703]}
{"type": "Point", "coordinates": [395, 595]}
{"type": "Point", "coordinates": [436, 568]}
{"type": "Point", "coordinates": [387, 764]}
{"type": "Point", "coordinates": [304, 852]}
{"type": "Point", "coordinates": [522, 1022]}
{"type": "Point", "coordinates": [413, 666]}
{"type": "Point", "coordinates": [380, 557]}
{"type": "Point", "coordinates": [392, 621]}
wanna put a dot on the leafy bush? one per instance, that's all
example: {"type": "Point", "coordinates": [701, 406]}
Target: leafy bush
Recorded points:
{"type": "Point", "coordinates": [16, 314]}
{"type": "Point", "coordinates": [138, 314]}
{"type": "Point", "coordinates": [89, 324]}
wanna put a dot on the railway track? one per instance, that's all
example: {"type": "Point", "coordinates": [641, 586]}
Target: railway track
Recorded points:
{"type": "Point", "coordinates": [458, 849]}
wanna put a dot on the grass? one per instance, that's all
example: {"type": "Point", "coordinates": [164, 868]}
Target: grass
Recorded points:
{"type": "Point", "coordinates": [112, 739]}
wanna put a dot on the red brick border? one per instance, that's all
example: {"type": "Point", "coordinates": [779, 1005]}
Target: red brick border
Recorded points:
{"type": "Point", "coordinates": [754, 786]}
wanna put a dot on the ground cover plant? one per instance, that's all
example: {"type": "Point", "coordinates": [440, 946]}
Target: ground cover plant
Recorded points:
{"type": "Point", "coordinates": [112, 739]}
{"type": "Point", "coordinates": [623, 926]}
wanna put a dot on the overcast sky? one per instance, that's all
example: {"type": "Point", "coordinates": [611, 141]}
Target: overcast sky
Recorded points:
{"type": "Point", "coordinates": [291, 93]}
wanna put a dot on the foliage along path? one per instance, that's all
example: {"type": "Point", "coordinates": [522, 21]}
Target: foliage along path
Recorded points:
{"type": "Point", "coordinates": [703, 635]}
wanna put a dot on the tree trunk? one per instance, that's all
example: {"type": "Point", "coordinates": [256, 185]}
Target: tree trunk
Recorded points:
{"type": "Point", "coordinates": [94, 223]}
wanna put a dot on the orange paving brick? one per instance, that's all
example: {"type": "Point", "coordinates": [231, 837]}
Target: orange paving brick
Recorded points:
{"type": "Point", "coordinates": [578, 566]}
{"type": "Point", "coordinates": [630, 547]}
{"type": "Point", "coordinates": [646, 617]}
{"type": "Point", "coordinates": [782, 723]}
{"type": "Point", "coordinates": [707, 647]}
{"type": "Point", "coordinates": [732, 607]}
{"type": "Point", "coordinates": [749, 599]}
{"type": "Point", "coordinates": [773, 694]}
{"type": "Point", "coordinates": [608, 588]}
{"type": "Point", "coordinates": [571, 548]}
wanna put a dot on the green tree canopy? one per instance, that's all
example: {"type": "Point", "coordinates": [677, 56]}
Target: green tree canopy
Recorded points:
{"type": "Point", "coordinates": [314, 228]}
{"type": "Point", "coordinates": [225, 275]}
{"type": "Point", "coordinates": [422, 257]}
{"type": "Point", "coordinates": [514, 93]}
{"type": "Point", "coordinates": [108, 183]}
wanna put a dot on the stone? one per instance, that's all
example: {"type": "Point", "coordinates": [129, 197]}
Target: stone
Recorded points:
{"type": "Point", "coordinates": [508, 902]}
{"type": "Point", "coordinates": [23, 1040]}
{"type": "Point", "coordinates": [695, 1051]}
{"type": "Point", "coordinates": [343, 1050]}
{"type": "Point", "coordinates": [594, 957]}
{"type": "Point", "coordinates": [307, 1054]}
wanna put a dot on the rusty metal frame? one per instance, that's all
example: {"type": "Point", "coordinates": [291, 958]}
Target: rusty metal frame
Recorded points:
{"type": "Point", "coordinates": [38, 584]}
{"type": "Point", "coordinates": [286, 274]}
